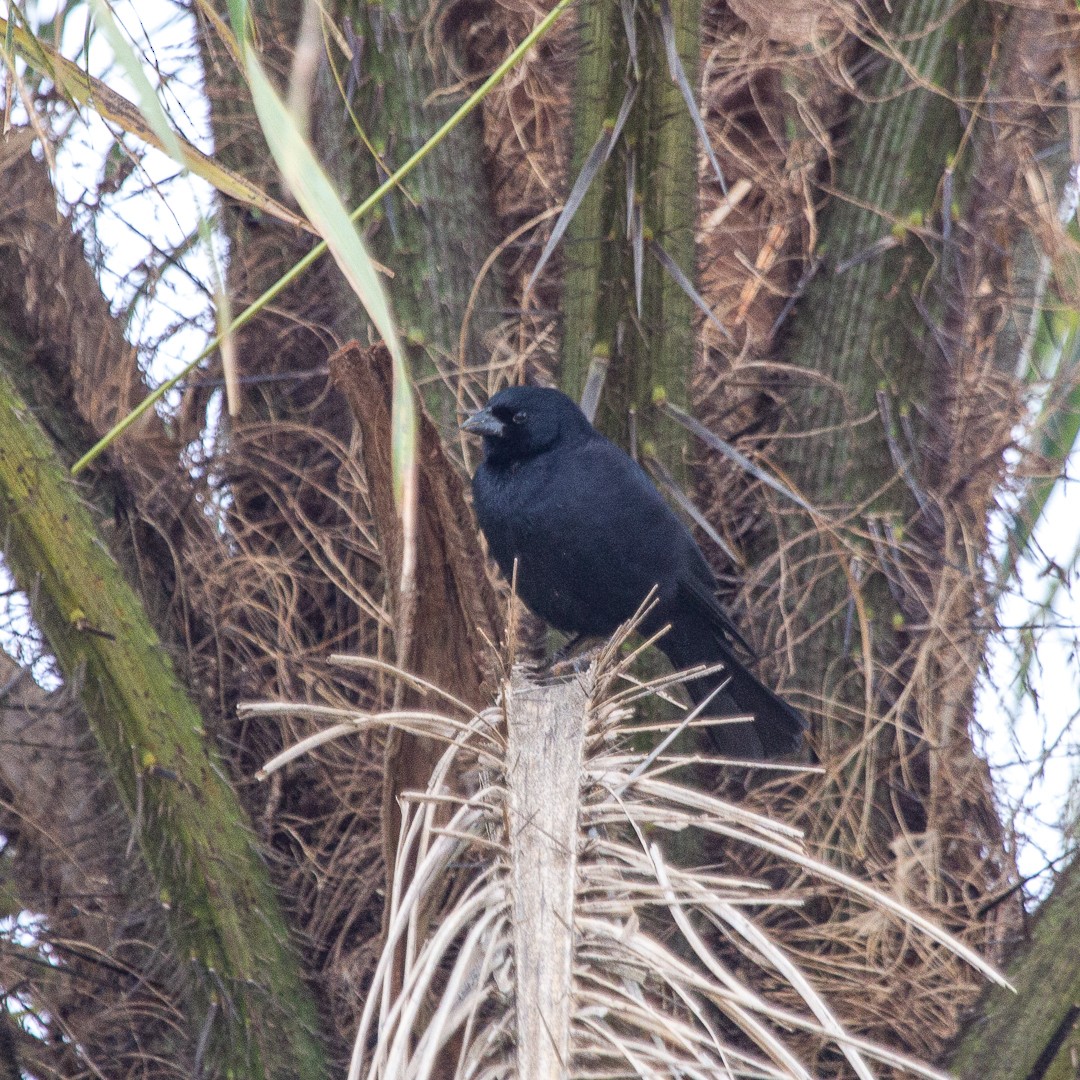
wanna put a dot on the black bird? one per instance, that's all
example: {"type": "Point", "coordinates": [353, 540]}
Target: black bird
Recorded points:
{"type": "Point", "coordinates": [592, 536]}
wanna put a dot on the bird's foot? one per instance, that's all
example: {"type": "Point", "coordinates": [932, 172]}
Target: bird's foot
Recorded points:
{"type": "Point", "coordinates": [572, 659]}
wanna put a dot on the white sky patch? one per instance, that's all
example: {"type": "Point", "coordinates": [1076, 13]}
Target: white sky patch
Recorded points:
{"type": "Point", "coordinates": [1031, 739]}
{"type": "Point", "coordinates": [134, 229]}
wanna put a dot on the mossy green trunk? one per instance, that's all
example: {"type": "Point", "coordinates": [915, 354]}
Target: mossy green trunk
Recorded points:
{"type": "Point", "coordinates": [864, 329]}
{"type": "Point", "coordinates": [1035, 1032]}
{"type": "Point", "coordinates": [197, 843]}
{"type": "Point", "coordinates": [435, 233]}
{"type": "Point", "coordinates": [654, 165]}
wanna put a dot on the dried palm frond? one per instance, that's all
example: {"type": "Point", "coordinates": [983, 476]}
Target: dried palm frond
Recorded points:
{"type": "Point", "coordinates": [549, 925]}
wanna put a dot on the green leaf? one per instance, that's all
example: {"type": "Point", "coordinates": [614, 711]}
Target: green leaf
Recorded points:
{"type": "Point", "coordinates": [84, 89]}
{"type": "Point", "coordinates": [149, 104]}
{"type": "Point", "coordinates": [238, 12]}
{"type": "Point", "coordinates": [1056, 429]}
{"type": "Point", "coordinates": [316, 195]}
{"type": "Point", "coordinates": [151, 108]}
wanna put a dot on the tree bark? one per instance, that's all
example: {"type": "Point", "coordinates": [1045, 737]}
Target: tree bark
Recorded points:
{"type": "Point", "coordinates": [195, 837]}
{"type": "Point", "coordinates": [1034, 1032]}
{"type": "Point", "coordinates": [643, 197]}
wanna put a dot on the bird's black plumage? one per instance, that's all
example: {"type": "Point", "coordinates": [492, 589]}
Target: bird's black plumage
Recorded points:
{"type": "Point", "coordinates": [592, 536]}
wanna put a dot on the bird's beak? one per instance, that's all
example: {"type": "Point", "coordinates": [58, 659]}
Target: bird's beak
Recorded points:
{"type": "Point", "coordinates": [484, 422]}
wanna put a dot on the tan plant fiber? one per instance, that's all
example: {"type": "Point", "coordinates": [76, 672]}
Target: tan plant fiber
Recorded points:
{"type": "Point", "coordinates": [549, 932]}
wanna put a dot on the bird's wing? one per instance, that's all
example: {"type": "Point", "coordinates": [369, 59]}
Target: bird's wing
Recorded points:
{"type": "Point", "coordinates": [699, 588]}
{"type": "Point", "coordinates": [640, 518]}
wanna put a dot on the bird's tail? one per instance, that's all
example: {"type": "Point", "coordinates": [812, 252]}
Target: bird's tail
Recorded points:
{"type": "Point", "coordinates": [777, 727]}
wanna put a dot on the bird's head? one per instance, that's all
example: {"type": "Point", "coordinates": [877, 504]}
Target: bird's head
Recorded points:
{"type": "Point", "coordinates": [522, 421]}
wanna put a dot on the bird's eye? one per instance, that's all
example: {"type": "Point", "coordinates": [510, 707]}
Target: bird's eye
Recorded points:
{"type": "Point", "coordinates": [520, 418]}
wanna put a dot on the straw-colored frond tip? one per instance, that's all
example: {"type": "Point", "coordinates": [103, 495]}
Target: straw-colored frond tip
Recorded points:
{"type": "Point", "coordinates": [561, 909]}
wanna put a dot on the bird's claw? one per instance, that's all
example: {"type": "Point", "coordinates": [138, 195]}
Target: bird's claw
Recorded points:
{"type": "Point", "coordinates": [569, 661]}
